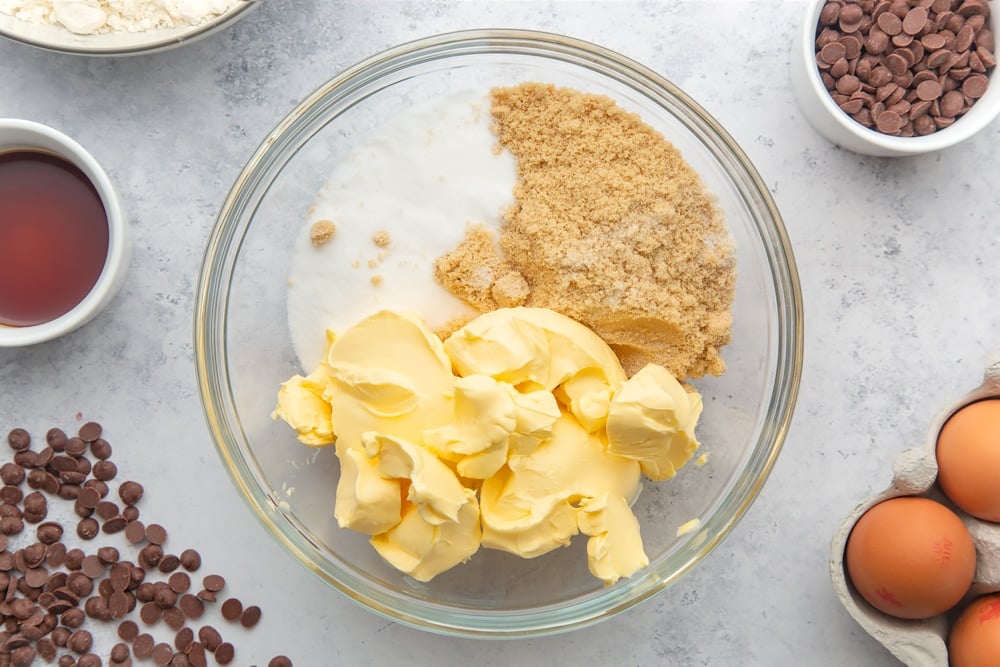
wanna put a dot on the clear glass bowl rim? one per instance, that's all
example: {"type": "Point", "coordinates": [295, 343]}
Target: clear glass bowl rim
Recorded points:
{"type": "Point", "coordinates": [233, 222]}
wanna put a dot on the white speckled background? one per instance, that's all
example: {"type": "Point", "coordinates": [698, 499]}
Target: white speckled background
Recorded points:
{"type": "Point", "coordinates": [898, 261]}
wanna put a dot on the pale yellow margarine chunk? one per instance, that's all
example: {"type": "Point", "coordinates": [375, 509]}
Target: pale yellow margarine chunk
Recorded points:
{"type": "Point", "coordinates": [389, 374]}
{"type": "Point", "coordinates": [533, 347]}
{"type": "Point", "coordinates": [517, 433]}
{"type": "Point", "coordinates": [531, 507]}
{"type": "Point", "coordinates": [366, 501]}
{"type": "Point", "coordinates": [614, 549]}
{"type": "Point", "coordinates": [652, 420]}
{"type": "Point", "coordinates": [302, 406]}
{"type": "Point", "coordinates": [422, 549]}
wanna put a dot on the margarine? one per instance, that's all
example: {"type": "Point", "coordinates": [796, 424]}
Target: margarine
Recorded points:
{"type": "Point", "coordinates": [516, 433]}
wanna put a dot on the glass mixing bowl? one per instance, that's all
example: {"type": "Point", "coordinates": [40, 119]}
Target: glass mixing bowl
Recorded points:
{"type": "Point", "coordinates": [244, 350]}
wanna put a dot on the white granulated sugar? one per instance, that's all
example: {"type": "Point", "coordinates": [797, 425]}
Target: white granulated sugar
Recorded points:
{"type": "Point", "coordinates": [90, 17]}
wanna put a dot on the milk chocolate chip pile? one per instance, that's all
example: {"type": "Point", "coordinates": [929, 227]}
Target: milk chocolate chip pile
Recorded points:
{"type": "Point", "coordinates": [49, 589]}
{"type": "Point", "coordinates": [905, 67]}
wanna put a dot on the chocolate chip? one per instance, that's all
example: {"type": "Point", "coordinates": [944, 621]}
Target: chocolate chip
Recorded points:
{"type": "Point", "coordinates": [56, 438]}
{"type": "Point", "coordinates": [150, 613]}
{"type": "Point", "coordinates": [143, 645]}
{"type": "Point", "coordinates": [115, 524]}
{"type": "Point", "coordinates": [250, 616]}
{"type": "Point", "coordinates": [280, 661]}
{"type": "Point", "coordinates": [46, 648]}
{"type": "Point", "coordinates": [209, 637]}
{"type": "Point", "coordinates": [75, 447]}
{"type": "Point", "coordinates": [90, 431]}
{"type": "Point", "coordinates": [101, 449]}
{"type": "Point", "coordinates": [174, 618]}
{"type": "Point", "coordinates": [206, 595]}
{"type": "Point", "coordinates": [130, 492]}
{"type": "Point", "coordinates": [11, 473]}
{"type": "Point", "coordinates": [183, 638]}
{"type": "Point", "coordinates": [232, 609]}
{"type": "Point", "coordinates": [225, 653]}
{"type": "Point", "coordinates": [105, 470]}
{"type": "Point", "coordinates": [179, 582]}
{"type": "Point", "coordinates": [11, 495]}
{"type": "Point", "coordinates": [73, 618]}
{"type": "Point", "coordinates": [128, 630]}
{"type": "Point", "coordinates": [18, 439]}
{"type": "Point", "coordinates": [191, 605]}
{"type": "Point", "coordinates": [88, 496]}
{"type": "Point", "coordinates": [120, 652]}
{"type": "Point", "coordinates": [131, 513]}
{"type": "Point", "coordinates": [22, 656]}
{"type": "Point", "coordinates": [156, 534]}
{"type": "Point", "coordinates": [80, 641]}
{"type": "Point", "coordinates": [190, 560]}
{"type": "Point", "coordinates": [135, 532]}
{"type": "Point", "coordinates": [93, 567]}
{"type": "Point", "coordinates": [196, 654]}
{"type": "Point", "coordinates": [214, 583]}
{"type": "Point", "coordinates": [162, 653]}
{"type": "Point", "coordinates": [118, 604]}
{"type": "Point", "coordinates": [169, 563]}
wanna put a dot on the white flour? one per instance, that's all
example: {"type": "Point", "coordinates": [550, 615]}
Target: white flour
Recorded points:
{"type": "Point", "coordinates": [88, 17]}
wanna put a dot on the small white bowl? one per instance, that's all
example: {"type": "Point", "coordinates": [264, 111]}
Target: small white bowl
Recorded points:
{"type": "Point", "coordinates": [57, 38]}
{"type": "Point", "coordinates": [27, 135]}
{"type": "Point", "coordinates": [830, 121]}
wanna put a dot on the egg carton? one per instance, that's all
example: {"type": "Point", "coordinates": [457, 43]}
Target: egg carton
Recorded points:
{"type": "Point", "coordinates": [922, 643]}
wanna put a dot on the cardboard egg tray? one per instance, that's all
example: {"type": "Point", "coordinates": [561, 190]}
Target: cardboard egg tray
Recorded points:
{"type": "Point", "coordinates": [922, 643]}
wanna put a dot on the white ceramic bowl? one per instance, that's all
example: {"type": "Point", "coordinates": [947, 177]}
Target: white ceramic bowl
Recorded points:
{"type": "Point", "coordinates": [27, 135]}
{"type": "Point", "coordinates": [830, 121]}
{"type": "Point", "coordinates": [58, 38]}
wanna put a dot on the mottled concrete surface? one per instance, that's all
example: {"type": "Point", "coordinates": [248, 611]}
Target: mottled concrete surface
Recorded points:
{"type": "Point", "coordinates": [898, 262]}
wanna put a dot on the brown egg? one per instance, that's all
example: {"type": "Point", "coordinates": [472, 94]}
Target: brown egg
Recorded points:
{"type": "Point", "coordinates": [910, 557]}
{"type": "Point", "coordinates": [968, 455]}
{"type": "Point", "coordinates": [975, 638]}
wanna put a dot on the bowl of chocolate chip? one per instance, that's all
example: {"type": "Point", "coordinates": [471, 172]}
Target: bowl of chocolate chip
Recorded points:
{"type": "Point", "coordinates": [499, 333]}
{"type": "Point", "coordinates": [897, 77]}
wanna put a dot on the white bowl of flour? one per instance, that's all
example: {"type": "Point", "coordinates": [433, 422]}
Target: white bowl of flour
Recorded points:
{"type": "Point", "coordinates": [116, 27]}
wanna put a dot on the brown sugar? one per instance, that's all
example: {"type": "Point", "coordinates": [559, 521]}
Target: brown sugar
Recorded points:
{"type": "Point", "coordinates": [610, 226]}
{"type": "Point", "coordinates": [477, 273]}
{"type": "Point", "coordinates": [321, 231]}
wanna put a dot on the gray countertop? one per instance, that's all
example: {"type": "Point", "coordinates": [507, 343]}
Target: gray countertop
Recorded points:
{"type": "Point", "coordinates": [898, 262]}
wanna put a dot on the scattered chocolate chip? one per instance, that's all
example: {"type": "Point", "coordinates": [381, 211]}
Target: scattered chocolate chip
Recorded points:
{"type": "Point", "coordinates": [190, 560]}
{"type": "Point", "coordinates": [75, 447]}
{"type": "Point", "coordinates": [80, 641]}
{"type": "Point", "coordinates": [280, 661]}
{"type": "Point", "coordinates": [232, 609]}
{"type": "Point", "coordinates": [101, 449]}
{"type": "Point", "coordinates": [90, 431]}
{"type": "Point", "coordinates": [48, 591]}
{"type": "Point", "coordinates": [128, 630]}
{"type": "Point", "coordinates": [156, 534]}
{"type": "Point", "coordinates": [214, 583]}
{"type": "Point", "coordinates": [115, 524]}
{"type": "Point", "coordinates": [105, 470]}
{"type": "Point", "coordinates": [135, 532]}
{"type": "Point", "coordinates": [225, 653]}
{"type": "Point", "coordinates": [18, 439]}
{"type": "Point", "coordinates": [250, 616]}
{"type": "Point", "coordinates": [130, 492]}
{"type": "Point", "coordinates": [143, 645]}
{"type": "Point", "coordinates": [191, 606]}
{"type": "Point", "coordinates": [209, 637]}
{"type": "Point", "coordinates": [120, 652]}
{"type": "Point", "coordinates": [168, 563]}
